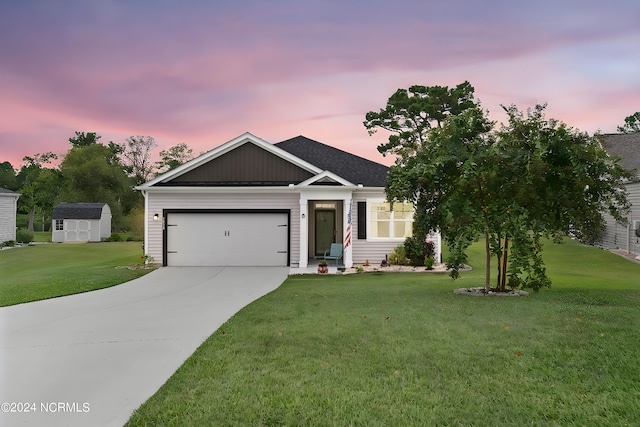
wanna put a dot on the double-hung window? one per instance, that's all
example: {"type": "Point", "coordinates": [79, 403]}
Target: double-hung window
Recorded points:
{"type": "Point", "coordinates": [59, 224]}
{"type": "Point", "coordinates": [385, 223]}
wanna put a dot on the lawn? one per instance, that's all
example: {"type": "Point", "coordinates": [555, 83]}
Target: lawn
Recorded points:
{"type": "Point", "coordinates": [380, 349]}
{"type": "Point", "coordinates": [52, 270]}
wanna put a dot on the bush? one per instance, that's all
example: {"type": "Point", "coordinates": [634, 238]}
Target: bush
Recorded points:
{"type": "Point", "coordinates": [8, 243]}
{"type": "Point", "coordinates": [417, 250]}
{"type": "Point", "coordinates": [398, 256]}
{"type": "Point", "coordinates": [115, 237]}
{"type": "Point", "coordinates": [24, 236]}
{"type": "Point", "coordinates": [414, 250]}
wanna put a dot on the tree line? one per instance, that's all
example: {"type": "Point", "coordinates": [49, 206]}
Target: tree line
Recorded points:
{"type": "Point", "coordinates": [91, 171]}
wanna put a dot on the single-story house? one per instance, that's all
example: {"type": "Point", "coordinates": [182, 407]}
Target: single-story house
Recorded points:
{"type": "Point", "coordinates": [80, 222]}
{"type": "Point", "coordinates": [618, 236]}
{"type": "Point", "coordinates": [8, 207]}
{"type": "Point", "coordinates": [252, 203]}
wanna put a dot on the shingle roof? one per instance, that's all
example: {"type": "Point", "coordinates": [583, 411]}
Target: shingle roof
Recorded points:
{"type": "Point", "coordinates": [626, 146]}
{"type": "Point", "coordinates": [8, 192]}
{"type": "Point", "coordinates": [355, 169]}
{"type": "Point", "coordinates": [78, 211]}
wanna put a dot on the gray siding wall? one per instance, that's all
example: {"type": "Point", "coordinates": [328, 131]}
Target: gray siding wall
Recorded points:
{"type": "Point", "coordinates": [7, 219]}
{"type": "Point", "coordinates": [622, 236]}
{"type": "Point", "coordinates": [159, 201]}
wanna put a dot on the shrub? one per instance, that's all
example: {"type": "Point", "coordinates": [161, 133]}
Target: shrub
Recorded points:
{"type": "Point", "coordinates": [115, 237]}
{"type": "Point", "coordinates": [24, 236]}
{"type": "Point", "coordinates": [398, 256]}
{"type": "Point", "coordinates": [414, 250]}
{"type": "Point", "coordinates": [418, 249]}
{"type": "Point", "coordinates": [8, 243]}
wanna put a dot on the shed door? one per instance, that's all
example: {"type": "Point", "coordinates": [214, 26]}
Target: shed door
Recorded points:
{"type": "Point", "coordinates": [227, 239]}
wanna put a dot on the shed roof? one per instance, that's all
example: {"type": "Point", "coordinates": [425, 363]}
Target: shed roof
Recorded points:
{"type": "Point", "coordinates": [627, 147]}
{"type": "Point", "coordinates": [78, 211]}
{"type": "Point", "coordinates": [5, 192]}
{"type": "Point", "coordinates": [355, 169]}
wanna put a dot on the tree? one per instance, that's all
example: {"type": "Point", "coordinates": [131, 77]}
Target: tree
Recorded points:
{"type": "Point", "coordinates": [174, 157]}
{"type": "Point", "coordinates": [38, 187]}
{"type": "Point", "coordinates": [631, 124]}
{"type": "Point", "coordinates": [137, 157]}
{"type": "Point", "coordinates": [411, 114]}
{"type": "Point", "coordinates": [8, 176]}
{"type": "Point", "coordinates": [83, 139]}
{"type": "Point", "coordinates": [531, 178]}
{"type": "Point", "coordinates": [92, 175]}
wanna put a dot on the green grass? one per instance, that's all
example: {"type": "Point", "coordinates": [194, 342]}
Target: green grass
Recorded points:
{"type": "Point", "coordinates": [42, 236]}
{"type": "Point", "coordinates": [47, 271]}
{"type": "Point", "coordinates": [382, 349]}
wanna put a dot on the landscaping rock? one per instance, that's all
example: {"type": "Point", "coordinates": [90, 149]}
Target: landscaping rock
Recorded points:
{"type": "Point", "coordinates": [481, 292]}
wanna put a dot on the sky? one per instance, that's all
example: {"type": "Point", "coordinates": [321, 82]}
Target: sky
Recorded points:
{"type": "Point", "coordinates": [203, 72]}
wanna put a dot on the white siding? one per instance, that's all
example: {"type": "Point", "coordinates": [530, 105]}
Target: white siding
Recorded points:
{"type": "Point", "coordinates": [623, 237]}
{"type": "Point", "coordinates": [158, 201]}
{"type": "Point", "coordinates": [7, 218]}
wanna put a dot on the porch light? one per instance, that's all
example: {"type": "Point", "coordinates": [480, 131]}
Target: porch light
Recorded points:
{"type": "Point", "coordinates": [156, 217]}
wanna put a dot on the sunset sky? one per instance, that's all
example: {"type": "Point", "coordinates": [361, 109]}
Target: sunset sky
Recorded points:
{"type": "Point", "coordinates": [203, 72]}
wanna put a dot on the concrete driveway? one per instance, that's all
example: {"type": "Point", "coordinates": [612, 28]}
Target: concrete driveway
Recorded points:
{"type": "Point", "coordinates": [91, 359]}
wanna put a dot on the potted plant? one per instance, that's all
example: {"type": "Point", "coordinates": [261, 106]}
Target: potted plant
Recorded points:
{"type": "Point", "coordinates": [323, 268]}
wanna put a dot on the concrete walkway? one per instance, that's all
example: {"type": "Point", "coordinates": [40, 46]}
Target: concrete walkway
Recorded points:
{"type": "Point", "coordinates": [91, 359]}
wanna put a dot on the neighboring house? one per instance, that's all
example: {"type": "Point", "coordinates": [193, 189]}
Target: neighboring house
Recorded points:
{"type": "Point", "coordinates": [8, 207]}
{"type": "Point", "coordinates": [617, 236]}
{"type": "Point", "coordinates": [252, 203]}
{"type": "Point", "coordinates": [80, 222]}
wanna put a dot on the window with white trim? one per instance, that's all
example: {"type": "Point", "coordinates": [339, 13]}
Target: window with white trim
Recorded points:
{"type": "Point", "coordinates": [59, 224]}
{"type": "Point", "coordinates": [385, 223]}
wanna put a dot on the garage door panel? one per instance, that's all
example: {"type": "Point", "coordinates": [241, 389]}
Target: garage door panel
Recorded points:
{"type": "Point", "coordinates": [224, 239]}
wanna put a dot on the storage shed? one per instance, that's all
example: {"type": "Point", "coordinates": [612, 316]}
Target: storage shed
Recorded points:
{"type": "Point", "coordinates": [81, 222]}
{"type": "Point", "coordinates": [8, 205]}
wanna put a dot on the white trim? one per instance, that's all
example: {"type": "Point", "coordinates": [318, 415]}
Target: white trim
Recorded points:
{"type": "Point", "coordinates": [391, 223]}
{"type": "Point", "coordinates": [326, 174]}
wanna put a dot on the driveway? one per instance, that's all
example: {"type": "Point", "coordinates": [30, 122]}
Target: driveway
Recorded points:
{"type": "Point", "coordinates": [93, 358]}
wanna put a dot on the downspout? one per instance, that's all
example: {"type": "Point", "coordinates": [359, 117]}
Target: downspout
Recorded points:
{"type": "Point", "coordinates": [629, 235]}
{"type": "Point", "coordinates": [146, 223]}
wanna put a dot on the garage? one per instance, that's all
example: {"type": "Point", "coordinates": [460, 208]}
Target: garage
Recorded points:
{"type": "Point", "coordinates": [227, 239]}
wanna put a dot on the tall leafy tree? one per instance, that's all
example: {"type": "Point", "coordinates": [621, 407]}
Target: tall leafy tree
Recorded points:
{"type": "Point", "coordinates": [8, 176]}
{"type": "Point", "coordinates": [631, 123]}
{"type": "Point", "coordinates": [137, 158]}
{"type": "Point", "coordinates": [84, 139]}
{"type": "Point", "coordinates": [173, 157]}
{"type": "Point", "coordinates": [531, 178]}
{"type": "Point", "coordinates": [39, 185]}
{"type": "Point", "coordinates": [92, 173]}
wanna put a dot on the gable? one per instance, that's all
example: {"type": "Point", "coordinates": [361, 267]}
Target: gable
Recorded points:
{"type": "Point", "coordinates": [246, 164]}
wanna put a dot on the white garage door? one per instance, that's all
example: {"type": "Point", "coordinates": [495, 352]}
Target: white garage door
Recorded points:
{"type": "Point", "coordinates": [227, 239]}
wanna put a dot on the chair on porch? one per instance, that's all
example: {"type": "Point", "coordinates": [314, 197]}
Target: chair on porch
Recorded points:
{"type": "Point", "coordinates": [335, 252]}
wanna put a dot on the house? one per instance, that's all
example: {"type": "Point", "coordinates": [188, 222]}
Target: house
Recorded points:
{"type": "Point", "coordinates": [80, 222]}
{"type": "Point", "coordinates": [617, 236]}
{"type": "Point", "coordinates": [8, 207]}
{"type": "Point", "coordinates": [252, 203]}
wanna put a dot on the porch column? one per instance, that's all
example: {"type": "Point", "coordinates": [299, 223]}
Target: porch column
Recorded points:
{"type": "Point", "coordinates": [304, 233]}
{"type": "Point", "coordinates": [347, 227]}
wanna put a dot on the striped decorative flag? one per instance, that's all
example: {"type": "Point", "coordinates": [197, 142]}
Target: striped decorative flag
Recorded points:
{"type": "Point", "coordinates": [347, 234]}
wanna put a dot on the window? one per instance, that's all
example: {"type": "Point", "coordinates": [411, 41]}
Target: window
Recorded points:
{"type": "Point", "coordinates": [385, 223]}
{"type": "Point", "coordinates": [59, 224]}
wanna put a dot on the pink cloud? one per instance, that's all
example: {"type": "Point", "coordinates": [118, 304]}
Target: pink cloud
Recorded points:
{"type": "Point", "coordinates": [202, 75]}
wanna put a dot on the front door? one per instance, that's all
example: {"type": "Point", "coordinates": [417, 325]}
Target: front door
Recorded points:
{"type": "Point", "coordinates": [325, 230]}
